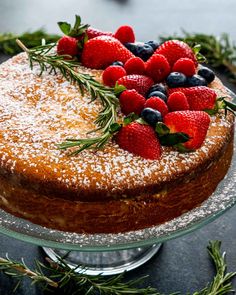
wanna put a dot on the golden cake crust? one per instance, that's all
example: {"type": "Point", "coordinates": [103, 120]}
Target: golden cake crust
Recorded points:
{"type": "Point", "coordinates": [111, 187]}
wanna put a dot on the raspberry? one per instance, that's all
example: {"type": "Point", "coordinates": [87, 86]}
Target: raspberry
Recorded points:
{"type": "Point", "coordinates": [158, 104]}
{"type": "Point", "coordinates": [111, 74]}
{"type": "Point", "coordinates": [131, 102]}
{"type": "Point", "coordinates": [177, 101]}
{"type": "Point", "coordinates": [125, 34]}
{"type": "Point", "coordinates": [157, 67]}
{"type": "Point", "coordinates": [135, 65]}
{"type": "Point", "coordinates": [185, 65]}
{"type": "Point", "coordinates": [67, 45]}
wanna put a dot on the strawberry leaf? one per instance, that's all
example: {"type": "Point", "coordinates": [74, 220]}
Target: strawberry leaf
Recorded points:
{"type": "Point", "coordinates": [141, 121]}
{"type": "Point", "coordinates": [130, 118]}
{"type": "Point", "coordinates": [161, 129]}
{"type": "Point", "coordinates": [114, 127]}
{"type": "Point", "coordinates": [181, 148]}
{"type": "Point", "coordinates": [65, 27]}
{"type": "Point", "coordinates": [173, 139]}
{"type": "Point", "coordinates": [118, 89]}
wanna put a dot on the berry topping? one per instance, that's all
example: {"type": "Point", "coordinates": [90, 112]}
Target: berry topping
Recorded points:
{"type": "Point", "coordinates": [153, 43]}
{"type": "Point", "coordinates": [92, 33]}
{"type": "Point", "coordinates": [151, 116]}
{"type": "Point", "coordinates": [157, 67]}
{"type": "Point", "coordinates": [199, 97]}
{"type": "Point", "coordinates": [102, 51]}
{"type": "Point", "coordinates": [144, 51]}
{"type": "Point", "coordinates": [140, 140]}
{"type": "Point", "coordinates": [158, 87]}
{"type": "Point", "coordinates": [196, 80]}
{"type": "Point", "coordinates": [140, 83]}
{"type": "Point", "coordinates": [193, 123]}
{"type": "Point", "coordinates": [176, 79]}
{"type": "Point", "coordinates": [174, 50]}
{"type": "Point", "coordinates": [177, 101]}
{"type": "Point", "coordinates": [131, 102]}
{"type": "Point", "coordinates": [158, 104]}
{"type": "Point", "coordinates": [132, 47]}
{"type": "Point", "coordinates": [207, 74]}
{"type": "Point", "coordinates": [111, 74]}
{"type": "Point", "coordinates": [125, 34]}
{"type": "Point", "coordinates": [159, 94]}
{"type": "Point", "coordinates": [68, 45]}
{"type": "Point", "coordinates": [118, 63]}
{"type": "Point", "coordinates": [135, 65]}
{"type": "Point", "coordinates": [185, 65]}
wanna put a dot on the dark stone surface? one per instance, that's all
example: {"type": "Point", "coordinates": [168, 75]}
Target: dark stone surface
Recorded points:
{"type": "Point", "coordinates": [182, 264]}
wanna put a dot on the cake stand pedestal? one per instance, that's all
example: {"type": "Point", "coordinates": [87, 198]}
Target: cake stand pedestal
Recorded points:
{"type": "Point", "coordinates": [115, 253]}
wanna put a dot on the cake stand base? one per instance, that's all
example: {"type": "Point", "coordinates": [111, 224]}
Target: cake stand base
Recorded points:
{"type": "Point", "coordinates": [105, 262]}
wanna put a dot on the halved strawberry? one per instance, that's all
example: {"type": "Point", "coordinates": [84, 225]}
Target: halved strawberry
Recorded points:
{"type": "Point", "coordinates": [140, 83]}
{"type": "Point", "coordinates": [174, 50]}
{"type": "Point", "coordinates": [193, 123]}
{"type": "Point", "coordinates": [140, 140]}
{"type": "Point", "coordinates": [102, 51]}
{"type": "Point", "coordinates": [199, 97]}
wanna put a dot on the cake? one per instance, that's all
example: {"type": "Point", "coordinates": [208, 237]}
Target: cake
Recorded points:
{"type": "Point", "coordinates": [109, 190]}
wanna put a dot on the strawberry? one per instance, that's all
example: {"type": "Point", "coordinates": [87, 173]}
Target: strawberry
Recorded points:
{"type": "Point", "coordinates": [68, 45]}
{"type": "Point", "coordinates": [125, 34]}
{"type": "Point", "coordinates": [102, 51]}
{"type": "Point", "coordinates": [185, 65]}
{"type": "Point", "coordinates": [177, 101]}
{"type": "Point", "coordinates": [135, 65]}
{"type": "Point", "coordinates": [193, 123]}
{"type": "Point", "coordinates": [158, 104]}
{"type": "Point", "coordinates": [157, 67]}
{"type": "Point", "coordinates": [111, 74]}
{"type": "Point", "coordinates": [138, 82]}
{"type": "Point", "coordinates": [140, 140]}
{"type": "Point", "coordinates": [131, 102]}
{"type": "Point", "coordinates": [199, 97]}
{"type": "Point", "coordinates": [92, 33]}
{"type": "Point", "coordinates": [174, 50]}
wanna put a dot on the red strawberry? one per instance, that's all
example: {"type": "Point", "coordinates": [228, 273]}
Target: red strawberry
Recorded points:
{"type": "Point", "coordinates": [199, 97]}
{"type": "Point", "coordinates": [92, 33]}
{"type": "Point", "coordinates": [125, 34]}
{"type": "Point", "coordinates": [157, 67]}
{"type": "Point", "coordinates": [135, 65]}
{"type": "Point", "coordinates": [193, 123]}
{"type": "Point", "coordinates": [67, 45]}
{"type": "Point", "coordinates": [111, 74]}
{"type": "Point", "coordinates": [131, 102]}
{"type": "Point", "coordinates": [138, 82]}
{"type": "Point", "coordinates": [174, 50]}
{"type": "Point", "coordinates": [102, 51]}
{"type": "Point", "coordinates": [158, 104]}
{"type": "Point", "coordinates": [177, 101]}
{"type": "Point", "coordinates": [185, 65]}
{"type": "Point", "coordinates": [140, 140]}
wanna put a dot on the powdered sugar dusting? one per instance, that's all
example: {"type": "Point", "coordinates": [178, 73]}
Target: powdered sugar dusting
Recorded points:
{"type": "Point", "coordinates": [38, 112]}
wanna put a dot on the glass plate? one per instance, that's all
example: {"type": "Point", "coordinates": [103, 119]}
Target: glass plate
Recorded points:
{"type": "Point", "coordinates": [221, 200]}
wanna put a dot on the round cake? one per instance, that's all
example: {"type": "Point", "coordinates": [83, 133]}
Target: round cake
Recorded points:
{"type": "Point", "coordinates": [98, 191]}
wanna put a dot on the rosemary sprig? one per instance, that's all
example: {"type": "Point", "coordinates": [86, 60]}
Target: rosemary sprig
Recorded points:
{"type": "Point", "coordinates": [30, 39]}
{"type": "Point", "coordinates": [48, 61]}
{"type": "Point", "coordinates": [61, 276]}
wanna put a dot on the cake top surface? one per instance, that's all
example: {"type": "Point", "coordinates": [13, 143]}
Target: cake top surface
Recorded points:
{"type": "Point", "coordinates": [39, 112]}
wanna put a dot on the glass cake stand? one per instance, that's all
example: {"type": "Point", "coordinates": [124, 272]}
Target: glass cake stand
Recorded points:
{"type": "Point", "coordinates": [114, 253]}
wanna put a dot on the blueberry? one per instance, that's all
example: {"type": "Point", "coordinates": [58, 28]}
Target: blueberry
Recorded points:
{"type": "Point", "coordinates": [151, 116]}
{"type": "Point", "coordinates": [144, 51]}
{"type": "Point", "coordinates": [153, 43]}
{"type": "Point", "coordinates": [158, 87]}
{"type": "Point", "coordinates": [131, 47]}
{"type": "Point", "coordinates": [158, 94]}
{"type": "Point", "coordinates": [176, 79]}
{"type": "Point", "coordinates": [196, 80]}
{"type": "Point", "coordinates": [118, 63]}
{"type": "Point", "coordinates": [207, 74]}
